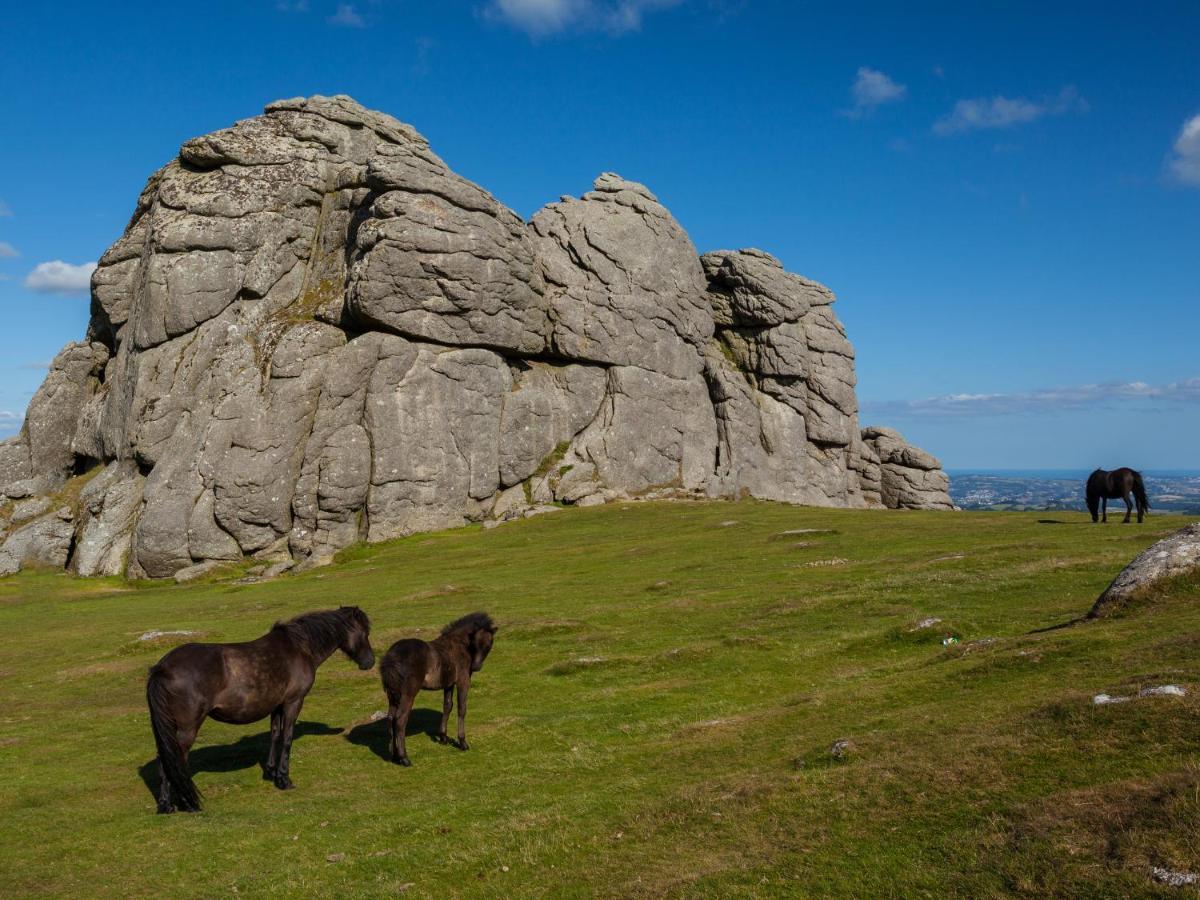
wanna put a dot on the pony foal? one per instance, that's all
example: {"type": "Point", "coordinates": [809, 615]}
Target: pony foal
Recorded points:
{"type": "Point", "coordinates": [446, 663]}
{"type": "Point", "coordinates": [242, 683]}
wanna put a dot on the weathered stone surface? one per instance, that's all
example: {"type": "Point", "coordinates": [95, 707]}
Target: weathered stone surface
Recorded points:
{"type": "Point", "coordinates": [42, 453]}
{"type": "Point", "coordinates": [108, 508]}
{"type": "Point", "coordinates": [546, 408]}
{"type": "Point", "coordinates": [44, 542]}
{"type": "Point", "coordinates": [312, 332]}
{"type": "Point", "coordinates": [624, 282]}
{"type": "Point", "coordinates": [910, 478]}
{"type": "Point", "coordinates": [1175, 555]}
{"type": "Point", "coordinates": [438, 258]}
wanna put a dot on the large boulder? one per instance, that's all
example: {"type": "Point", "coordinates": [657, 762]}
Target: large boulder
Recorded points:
{"type": "Point", "coordinates": [312, 332]}
{"type": "Point", "coordinates": [1176, 555]}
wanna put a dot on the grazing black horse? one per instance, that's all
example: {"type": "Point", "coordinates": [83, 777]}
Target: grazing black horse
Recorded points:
{"type": "Point", "coordinates": [242, 683]}
{"type": "Point", "coordinates": [412, 665]}
{"type": "Point", "coordinates": [1103, 486]}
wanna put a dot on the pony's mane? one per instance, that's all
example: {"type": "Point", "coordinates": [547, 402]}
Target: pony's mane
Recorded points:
{"type": "Point", "coordinates": [320, 633]}
{"type": "Point", "coordinates": [476, 621]}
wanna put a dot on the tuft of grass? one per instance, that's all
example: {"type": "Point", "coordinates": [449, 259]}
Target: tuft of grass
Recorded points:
{"type": "Point", "coordinates": [656, 718]}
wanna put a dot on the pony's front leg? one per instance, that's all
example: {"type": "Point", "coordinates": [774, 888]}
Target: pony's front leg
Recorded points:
{"type": "Point", "coordinates": [273, 754]}
{"type": "Point", "coordinates": [291, 712]}
{"type": "Point", "coordinates": [447, 705]}
{"type": "Point", "coordinates": [463, 685]}
{"type": "Point", "coordinates": [1104, 508]}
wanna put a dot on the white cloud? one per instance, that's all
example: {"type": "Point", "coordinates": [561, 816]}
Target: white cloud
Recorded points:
{"type": "Point", "coordinates": [58, 277]}
{"type": "Point", "coordinates": [10, 422]}
{"type": "Point", "coordinates": [1043, 401]}
{"type": "Point", "coordinates": [1001, 112]}
{"type": "Point", "coordinates": [5, 209]}
{"type": "Point", "coordinates": [1184, 162]}
{"type": "Point", "coordinates": [347, 17]}
{"type": "Point", "coordinates": [540, 18]}
{"type": "Point", "coordinates": [8, 251]}
{"type": "Point", "coordinates": [872, 89]}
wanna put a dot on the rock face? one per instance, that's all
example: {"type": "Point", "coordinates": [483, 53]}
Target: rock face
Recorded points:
{"type": "Point", "coordinates": [312, 333]}
{"type": "Point", "coordinates": [910, 478]}
{"type": "Point", "coordinates": [1175, 555]}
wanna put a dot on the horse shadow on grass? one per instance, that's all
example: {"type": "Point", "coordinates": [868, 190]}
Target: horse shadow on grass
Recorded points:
{"type": "Point", "coordinates": [244, 753]}
{"type": "Point", "coordinates": [377, 736]}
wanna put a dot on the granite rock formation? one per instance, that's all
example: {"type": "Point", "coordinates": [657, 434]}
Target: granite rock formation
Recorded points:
{"type": "Point", "coordinates": [312, 332]}
{"type": "Point", "coordinates": [1173, 556]}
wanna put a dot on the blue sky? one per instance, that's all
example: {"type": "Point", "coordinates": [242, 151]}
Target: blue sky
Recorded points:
{"type": "Point", "coordinates": [1005, 199]}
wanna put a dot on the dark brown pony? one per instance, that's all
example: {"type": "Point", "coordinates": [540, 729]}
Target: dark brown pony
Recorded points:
{"type": "Point", "coordinates": [242, 683]}
{"type": "Point", "coordinates": [412, 665]}
{"type": "Point", "coordinates": [1103, 486]}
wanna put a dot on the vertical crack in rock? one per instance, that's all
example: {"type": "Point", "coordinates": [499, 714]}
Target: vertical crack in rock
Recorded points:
{"type": "Point", "coordinates": [313, 332]}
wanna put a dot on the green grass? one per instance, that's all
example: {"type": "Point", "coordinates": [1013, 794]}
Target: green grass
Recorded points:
{"type": "Point", "coordinates": [655, 719]}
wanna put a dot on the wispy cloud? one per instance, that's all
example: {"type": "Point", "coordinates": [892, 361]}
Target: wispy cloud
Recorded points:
{"type": "Point", "coordinates": [541, 18]}
{"type": "Point", "coordinates": [1002, 112]}
{"type": "Point", "coordinates": [872, 89]}
{"type": "Point", "coordinates": [58, 277]}
{"type": "Point", "coordinates": [8, 251]}
{"type": "Point", "coordinates": [425, 47]}
{"type": "Point", "coordinates": [5, 209]}
{"type": "Point", "coordinates": [1041, 401]}
{"type": "Point", "coordinates": [10, 422]}
{"type": "Point", "coordinates": [1183, 164]}
{"type": "Point", "coordinates": [40, 364]}
{"type": "Point", "coordinates": [292, 6]}
{"type": "Point", "coordinates": [347, 17]}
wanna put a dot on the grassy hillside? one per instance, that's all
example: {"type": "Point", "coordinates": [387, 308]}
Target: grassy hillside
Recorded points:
{"type": "Point", "coordinates": [656, 717]}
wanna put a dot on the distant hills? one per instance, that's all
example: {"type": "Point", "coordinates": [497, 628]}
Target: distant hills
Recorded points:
{"type": "Point", "coordinates": [1036, 489]}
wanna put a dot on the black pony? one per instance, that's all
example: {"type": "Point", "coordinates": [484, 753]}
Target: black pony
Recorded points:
{"type": "Point", "coordinates": [1103, 486]}
{"type": "Point", "coordinates": [242, 683]}
{"type": "Point", "coordinates": [443, 664]}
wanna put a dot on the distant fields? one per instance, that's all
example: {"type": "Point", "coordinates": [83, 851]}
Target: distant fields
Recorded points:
{"type": "Point", "coordinates": [1176, 492]}
{"type": "Point", "coordinates": [655, 720]}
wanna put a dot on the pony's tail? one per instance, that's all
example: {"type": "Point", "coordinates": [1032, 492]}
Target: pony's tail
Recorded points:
{"type": "Point", "coordinates": [174, 769]}
{"type": "Point", "coordinates": [1139, 492]}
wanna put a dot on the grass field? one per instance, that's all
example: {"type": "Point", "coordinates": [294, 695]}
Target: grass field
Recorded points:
{"type": "Point", "coordinates": [656, 717]}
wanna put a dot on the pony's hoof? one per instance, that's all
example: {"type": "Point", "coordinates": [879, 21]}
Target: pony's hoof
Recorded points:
{"type": "Point", "coordinates": [463, 745]}
{"type": "Point", "coordinates": [165, 810]}
{"type": "Point", "coordinates": [284, 784]}
{"type": "Point", "coordinates": [402, 761]}
{"type": "Point", "coordinates": [441, 738]}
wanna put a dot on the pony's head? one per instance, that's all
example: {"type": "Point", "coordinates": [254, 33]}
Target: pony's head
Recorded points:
{"type": "Point", "coordinates": [357, 642]}
{"type": "Point", "coordinates": [480, 646]}
{"type": "Point", "coordinates": [480, 632]}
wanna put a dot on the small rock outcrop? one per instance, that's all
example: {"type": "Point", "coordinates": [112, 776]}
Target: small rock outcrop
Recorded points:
{"type": "Point", "coordinates": [909, 478]}
{"type": "Point", "coordinates": [312, 332]}
{"type": "Point", "coordinates": [1178, 554]}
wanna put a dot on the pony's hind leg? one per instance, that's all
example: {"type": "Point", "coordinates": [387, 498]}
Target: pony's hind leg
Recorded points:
{"type": "Point", "coordinates": [1104, 508]}
{"type": "Point", "coordinates": [399, 727]}
{"type": "Point", "coordinates": [165, 803]}
{"type": "Point", "coordinates": [1128, 507]}
{"type": "Point", "coordinates": [447, 706]}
